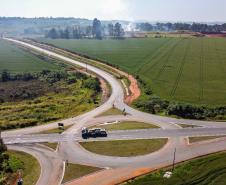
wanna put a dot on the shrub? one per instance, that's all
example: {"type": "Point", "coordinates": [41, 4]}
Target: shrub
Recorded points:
{"type": "Point", "coordinates": [92, 83]}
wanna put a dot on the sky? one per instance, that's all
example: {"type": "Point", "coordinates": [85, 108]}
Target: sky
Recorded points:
{"type": "Point", "coordinates": [132, 10]}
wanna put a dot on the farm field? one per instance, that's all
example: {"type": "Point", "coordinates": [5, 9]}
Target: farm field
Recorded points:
{"type": "Point", "coordinates": [15, 60]}
{"type": "Point", "coordinates": [191, 70]}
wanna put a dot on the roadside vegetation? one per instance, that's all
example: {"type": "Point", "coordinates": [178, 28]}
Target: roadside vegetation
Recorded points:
{"type": "Point", "coordinates": [202, 171]}
{"type": "Point", "coordinates": [14, 165]}
{"type": "Point", "coordinates": [74, 171]}
{"type": "Point", "coordinates": [125, 148]}
{"type": "Point", "coordinates": [45, 97]}
{"type": "Point", "coordinates": [177, 75]}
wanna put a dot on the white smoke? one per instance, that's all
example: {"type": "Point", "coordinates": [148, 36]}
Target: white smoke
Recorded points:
{"type": "Point", "coordinates": [114, 9]}
{"type": "Point", "coordinates": [130, 27]}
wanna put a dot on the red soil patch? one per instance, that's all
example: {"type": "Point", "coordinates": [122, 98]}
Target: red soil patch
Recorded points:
{"type": "Point", "coordinates": [110, 177]}
{"type": "Point", "coordinates": [220, 35]}
{"type": "Point", "coordinates": [134, 89]}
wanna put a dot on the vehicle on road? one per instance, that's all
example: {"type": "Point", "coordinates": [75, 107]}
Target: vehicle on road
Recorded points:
{"type": "Point", "coordinates": [93, 133]}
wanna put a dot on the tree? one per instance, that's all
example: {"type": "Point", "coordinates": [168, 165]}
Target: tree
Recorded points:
{"type": "Point", "coordinates": [61, 34]}
{"type": "Point", "coordinates": [144, 26]}
{"type": "Point", "coordinates": [76, 33]}
{"type": "Point", "coordinates": [89, 31]}
{"type": "Point", "coordinates": [97, 30]}
{"type": "Point", "coordinates": [111, 30]}
{"type": "Point", "coordinates": [3, 149]}
{"type": "Point", "coordinates": [5, 76]}
{"type": "Point", "coordinates": [52, 34]}
{"type": "Point", "coordinates": [119, 32]}
{"type": "Point", "coordinates": [67, 33]}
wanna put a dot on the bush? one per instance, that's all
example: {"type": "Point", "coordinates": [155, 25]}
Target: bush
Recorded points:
{"type": "Point", "coordinates": [14, 164]}
{"type": "Point", "coordinates": [185, 111]}
{"type": "Point", "coordinates": [92, 83]}
{"type": "Point", "coordinates": [5, 76]}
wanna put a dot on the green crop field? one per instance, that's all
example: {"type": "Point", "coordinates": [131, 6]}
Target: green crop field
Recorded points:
{"type": "Point", "coordinates": [208, 170]}
{"type": "Point", "coordinates": [16, 60]}
{"type": "Point", "coordinates": [191, 70]}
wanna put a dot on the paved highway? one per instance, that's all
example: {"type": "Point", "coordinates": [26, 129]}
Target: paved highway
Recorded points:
{"type": "Point", "coordinates": [52, 167]}
{"type": "Point", "coordinates": [70, 149]}
{"type": "Point", "coordinates": [117, 135]}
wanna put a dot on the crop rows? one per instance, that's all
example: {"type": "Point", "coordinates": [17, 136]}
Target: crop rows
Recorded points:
{"type": "Point", "coordinates": [17, 60]}
{"type": "Point", "coordinates": [190, 70]}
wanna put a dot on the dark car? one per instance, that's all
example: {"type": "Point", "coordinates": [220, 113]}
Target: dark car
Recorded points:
{"type": "Point", "coordinates": [85, 133]}
{"type": "Point", "coordinates": [93, 133]}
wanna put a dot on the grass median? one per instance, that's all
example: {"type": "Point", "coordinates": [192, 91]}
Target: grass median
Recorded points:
{"type": "Point", "coordinates": [73, 171]}
{"type": "Point", "coordinates": [112, 111]}
{"type": "Point", "coordinates": [204, 138]}
{"type": "Point", "coordinates": [125, 148]}
{"type": "Point", "coordinates": [128, 125]}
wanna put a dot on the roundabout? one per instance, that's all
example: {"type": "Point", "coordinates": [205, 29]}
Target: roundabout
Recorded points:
{"type": "Point", "coordinates": [116, 169]}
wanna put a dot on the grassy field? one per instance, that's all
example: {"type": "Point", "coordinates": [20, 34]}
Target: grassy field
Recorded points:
{"type": "Point", "coordinates": [188, 126]}
{"type": "Point", "coordinates": [73, 171]}
{"type": "Point", "coordinates": [125, 148]}
{"type": "Point", "coordinates": [55, 130]}
{"type": "Point", "coordinates": [112, 111]}
{"type": "Point", "coordinates": [70, 101]}
{"type": "Point", "coordinates": [204, 138]}
{"type": "Point", "coordinates": [130, 125]}
{"type": "Point", "coordinates": [207, 170]}
{"type": "Point", "coordinates": [51, 145]}
{"type": "Point", "coordinates": [17, 60]}
{"type": "Point", "coordinates": [191, 70]}
{"type": "Point", "coordinates": [27, 164]}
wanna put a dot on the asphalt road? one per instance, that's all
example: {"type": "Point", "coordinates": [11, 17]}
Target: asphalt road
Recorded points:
{"type": "Point", "coordinates": [70, 149]}
{"type": "Point", "coordinates": [52, 167]}
{"type": "Point", "coordinates": [116, 135]}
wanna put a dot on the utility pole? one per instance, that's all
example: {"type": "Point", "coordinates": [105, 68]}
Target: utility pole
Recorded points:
{"type": "Point", "coordinates": [174, 159]}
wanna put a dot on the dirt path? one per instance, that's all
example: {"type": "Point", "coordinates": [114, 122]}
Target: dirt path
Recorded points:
{"type": "Point", "coordinates": [134, 89]}
{"type": "Point", "coordinates": [110, 177]}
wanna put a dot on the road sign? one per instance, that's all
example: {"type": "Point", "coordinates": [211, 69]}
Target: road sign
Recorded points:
{"type": "Point", "coordinates": [60, 125]}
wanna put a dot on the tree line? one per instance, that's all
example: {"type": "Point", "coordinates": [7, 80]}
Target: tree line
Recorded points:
{"type": "Point", "coordinates": [96, 30]}
{"type": "Point", "coordinates": [195, 27]}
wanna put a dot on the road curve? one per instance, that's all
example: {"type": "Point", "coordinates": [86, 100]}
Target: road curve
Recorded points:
{"type": "Point", "coordinates": [52, 167]}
